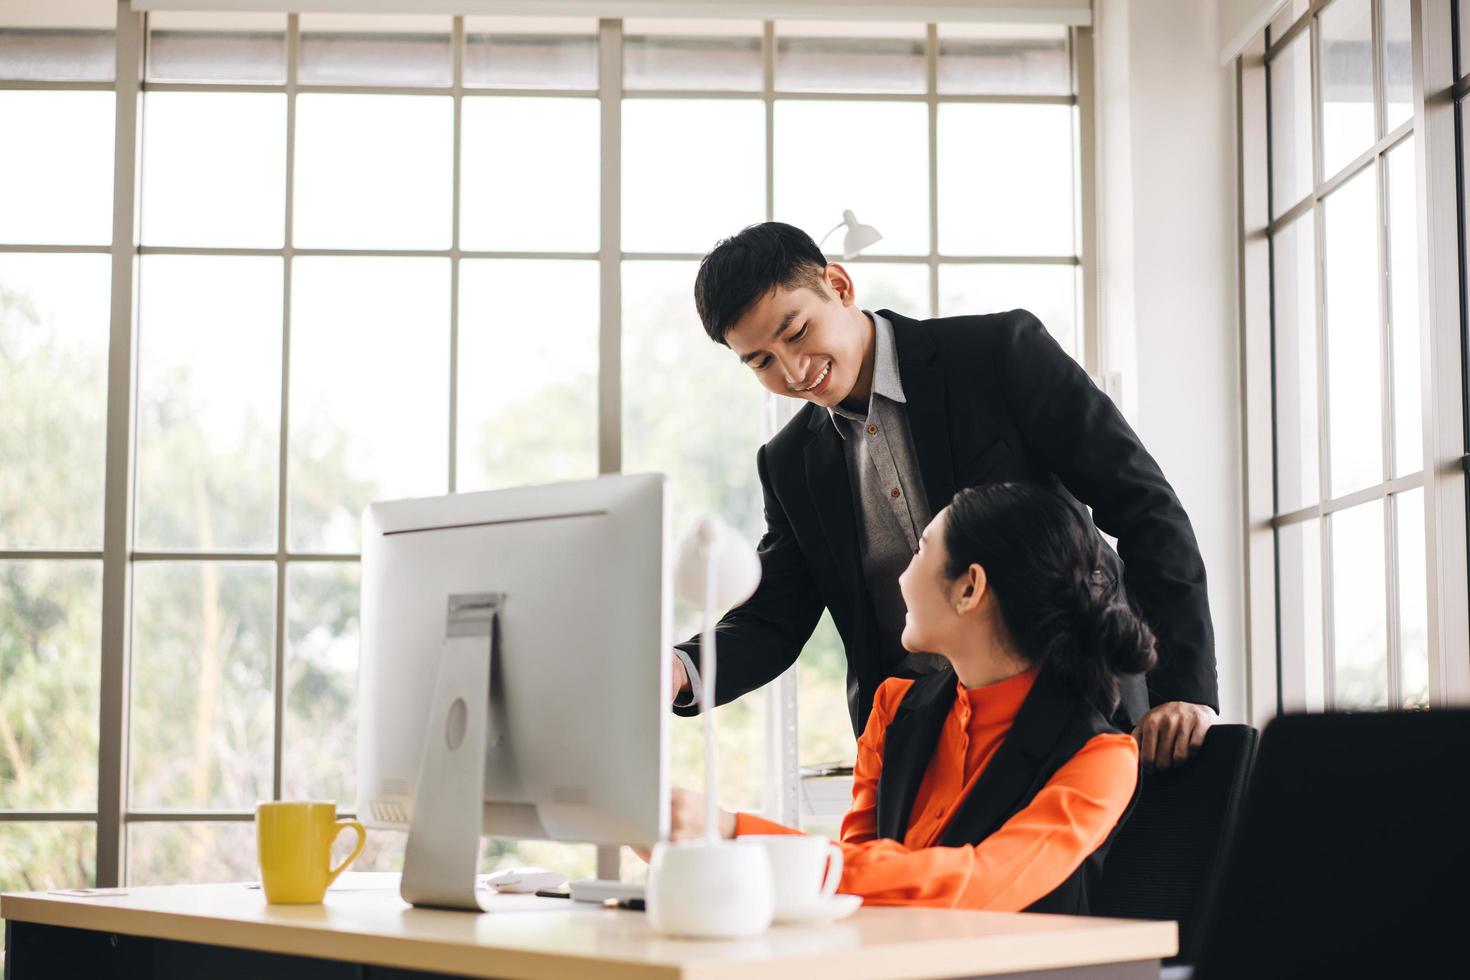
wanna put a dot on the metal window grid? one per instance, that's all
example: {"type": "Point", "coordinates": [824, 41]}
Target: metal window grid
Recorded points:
{"type": "Point", "coordinates": [118, 555]}
{"type": "Point", "coordinates": [1442, 477]}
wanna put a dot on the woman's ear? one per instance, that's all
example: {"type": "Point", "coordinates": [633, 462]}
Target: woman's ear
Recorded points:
{"type": "Point", "coordinates": [972, 589]}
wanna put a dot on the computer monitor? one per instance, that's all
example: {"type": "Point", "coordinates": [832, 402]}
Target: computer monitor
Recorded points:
{"type": "Point", "coordinates": [514, 680]}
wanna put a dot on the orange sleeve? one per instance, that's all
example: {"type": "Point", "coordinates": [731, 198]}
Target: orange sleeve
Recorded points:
{"type": "Point", "coordinates": [861, 821]}
{"type": "Point", "coordinates": [1030, 855]}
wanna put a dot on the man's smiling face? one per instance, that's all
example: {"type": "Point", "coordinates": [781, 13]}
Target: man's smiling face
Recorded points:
{"type": "Point", "coordinates": [806, 345]}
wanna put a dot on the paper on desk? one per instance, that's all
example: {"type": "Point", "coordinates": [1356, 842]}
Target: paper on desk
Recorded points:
{"type": "Point", "coordinates": [89, 892]}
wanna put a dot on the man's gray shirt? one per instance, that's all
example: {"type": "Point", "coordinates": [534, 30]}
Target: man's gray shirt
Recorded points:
{"type": "Point", "coordinates": [888, 495]}
{"type": "Point", "coordinates": [887, 491]}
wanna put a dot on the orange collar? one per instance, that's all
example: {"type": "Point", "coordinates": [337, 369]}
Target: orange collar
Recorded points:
{"type": "Point", "coordinates": [995, 703]}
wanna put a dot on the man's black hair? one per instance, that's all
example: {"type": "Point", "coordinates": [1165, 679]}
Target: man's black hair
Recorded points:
{"type": "Point", "coordinates": [743, 268]}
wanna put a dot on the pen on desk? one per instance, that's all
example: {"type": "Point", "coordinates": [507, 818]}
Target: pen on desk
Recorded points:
{"type": "Point", "coordinates": [552, 893]}
{"type": "Point", "coordinates": [629, 904]}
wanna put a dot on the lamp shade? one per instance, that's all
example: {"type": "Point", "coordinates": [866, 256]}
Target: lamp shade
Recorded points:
{"type": "Point", "coordinates": [859, 236]}
{"type": "Point", "coordinates": [737, 567]}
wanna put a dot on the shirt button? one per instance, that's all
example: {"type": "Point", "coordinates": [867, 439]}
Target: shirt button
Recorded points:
{"type": "Point", "coordinates": [893, 492]}
{"type": "Point", "coordinates": [938, 811]}
{"type": "Point", "coordinates": [872, 430]}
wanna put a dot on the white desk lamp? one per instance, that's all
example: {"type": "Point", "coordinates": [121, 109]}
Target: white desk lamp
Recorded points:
{"type": "Point", "coordinates": [711, 887]}
{"type": "Point", "coordinates": [859, 236]}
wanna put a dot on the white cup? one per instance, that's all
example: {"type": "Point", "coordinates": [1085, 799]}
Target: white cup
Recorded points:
{"type": "Point", "coordinates": [709, 889]}
{"type": "Point", "coordinates": [805, 869]}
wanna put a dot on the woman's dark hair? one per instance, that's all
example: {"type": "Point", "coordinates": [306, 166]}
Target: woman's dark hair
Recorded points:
{"type": "Point", "coordinates": [739, 270]}
{"type": "Point", "coordinates": [1043, 563]}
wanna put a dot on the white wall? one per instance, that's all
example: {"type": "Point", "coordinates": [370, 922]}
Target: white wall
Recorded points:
{"type": "Point", "coordinates": [1240, 20]}
{"type": "Point", "coordinates": [1167, 263]}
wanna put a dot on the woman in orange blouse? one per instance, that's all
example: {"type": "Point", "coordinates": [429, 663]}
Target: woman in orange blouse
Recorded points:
{"type": "Point", "coordinates": [996, 783]}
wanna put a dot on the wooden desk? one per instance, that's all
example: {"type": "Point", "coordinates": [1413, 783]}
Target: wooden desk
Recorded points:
{"type": "Point", "coordinates": [364, 929]}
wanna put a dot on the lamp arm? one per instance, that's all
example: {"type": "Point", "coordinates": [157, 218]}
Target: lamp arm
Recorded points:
{"type": "Point", "coordinates": [839, 224]}
{"type": "Point", "coordinates": [708, 666]}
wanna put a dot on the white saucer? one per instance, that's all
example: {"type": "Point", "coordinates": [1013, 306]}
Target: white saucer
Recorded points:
{"type": "Point", "coordinates": [827, 910]}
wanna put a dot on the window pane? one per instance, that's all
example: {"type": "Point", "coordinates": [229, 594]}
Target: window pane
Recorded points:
{"type": "Point", "coordinates": [888, 190]}
{"type": "Point", "coordinates": [847, 56]}
{"type": "Point", "coordinates": [202, 717]}
{"type": "Point", "coordinates": [718, 193]}
{"type": "Point", "coordinates": [530, 52]}
{"type": "Point", "coordinates": [669, 366]}
{"type": "Point", "coordinates": [369, 391]}
{"type": "Point", "coordinates": [1013, 203]}
{"type": "Point", "coordinates": [1002, 59]}
{"type": "Point", "coordinates": [1048, 291]}
{"type": "Point", "coordinates": [373, 171]}
{"type": "Point", "coordinates": [692, 54]}
{"type": "Point", "coordinates": [370, 49]}
{"type": "Point", "coordinates": [192, 853]}
{"type": "Point", "coordinates": [527, 372]}
{"type": "Point", "coordinates": [1398, 64]}
{"type": "Point", "coordinates": [1346, 38]}
{"type": "Point", "coordinates": [902, 287]}
{"type": "Point", "coordinates": [1303, 668]}
{"type": "Point", "coordinates": [1403, 285]}
{"type": "Point", "coordinates": [54, 312]}
{"type": "Point", "coordinates": [712, 471]}
{"type": "Point", "coordinates": [32, 54]}
{"type": "Point", "coordinates": [1359, 608]}
{"type": "Point", "coordinates": [384, 852]}
{"type": "Point", "coordinates": [50, 656]}
{"type": "Point", "coordinates": [576, 861]}
{"type": "Point", "coordinates": [1413, 596]}
{"type": "Point", "coordinates": [210, 47]}
{"type": "Point", "coordinates": [209, 396]}
{"type": "Point", "coordinates": [321, 683]}
{"type": "Point", "coordinates": [56, 174]}
{"type": "Point", "coordinates": [826, 729]}
{"type": "Point", "coordinates": [1354, 376]}
{"type": "Point", "coordinates": [58, 41]}
{"type": "Point", "coordinates": [214, 169]}
{"type": "Point", "coordinates": [543, 196]}
{"type": "Point", "coordinates": [1290, 76]}
{"type": "Point", "coordinates": [39, 856]}
{"type": "Point", "coordinates": [1298, 446]}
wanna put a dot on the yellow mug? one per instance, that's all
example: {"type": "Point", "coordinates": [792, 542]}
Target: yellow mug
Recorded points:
{"type": "Point", "coordinates": [295, 841]}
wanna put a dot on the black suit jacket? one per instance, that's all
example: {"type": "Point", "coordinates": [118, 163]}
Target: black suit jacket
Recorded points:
{"type": "Point", "coordinates": [990, 399]}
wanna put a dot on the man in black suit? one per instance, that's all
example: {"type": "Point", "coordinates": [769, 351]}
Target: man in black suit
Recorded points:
{"type": "Point", "coordinates": [902, 414]}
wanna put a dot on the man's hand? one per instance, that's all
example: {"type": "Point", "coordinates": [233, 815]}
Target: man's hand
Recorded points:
{"type": "Point", "coordinates": [686, 816]}
{"type": "Point", "coordinates": [1173, 732]}
{"type": "Point", "coordinates": [686, 819]}
{"type": "Point", "coordinates": [681, 679]}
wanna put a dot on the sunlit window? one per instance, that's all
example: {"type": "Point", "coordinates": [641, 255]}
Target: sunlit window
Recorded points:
{"type": "Point", "coordinates": [374, 261]}
{"type": "Point", "coordinates": [57, 112]}
{"type": "Point", "coordinates": [1349, 446]}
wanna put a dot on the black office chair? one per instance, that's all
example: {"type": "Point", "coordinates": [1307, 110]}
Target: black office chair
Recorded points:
{"type": "Point", "coordinates": [1352, 855]}
{"type": "Point", "coordinates": [1166, 856]}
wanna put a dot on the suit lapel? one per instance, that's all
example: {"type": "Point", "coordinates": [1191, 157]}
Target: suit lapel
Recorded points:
{"type": "Point", "coordinates": [908, 746]}
{"type": "Point", "coordinates": [826, 474]}
{"type": "Point", "coordinates": [928, 414]}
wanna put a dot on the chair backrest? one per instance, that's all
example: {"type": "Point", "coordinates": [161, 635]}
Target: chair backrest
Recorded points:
{"type": "Point", "coordinates": [1352, 853]}
{"type": "Point", "coordinates": [1165, 857]}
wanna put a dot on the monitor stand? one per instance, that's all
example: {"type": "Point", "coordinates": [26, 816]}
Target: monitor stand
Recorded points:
{"type": "Point", "coordinates": [443, 855]}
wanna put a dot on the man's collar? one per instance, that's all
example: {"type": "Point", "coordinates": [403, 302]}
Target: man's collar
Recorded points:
{"type": "Point", "coordinates": [886, 381]}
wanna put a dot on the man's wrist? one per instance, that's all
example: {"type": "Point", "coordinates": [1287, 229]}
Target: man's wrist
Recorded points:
{"type": "Point", "coordinates": [688, 695]}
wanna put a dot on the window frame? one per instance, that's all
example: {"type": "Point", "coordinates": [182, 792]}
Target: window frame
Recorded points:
{"type": "Point", "coordinates": [118, 555]}
{"type": "Point", "coordinates": [1273, 668]}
